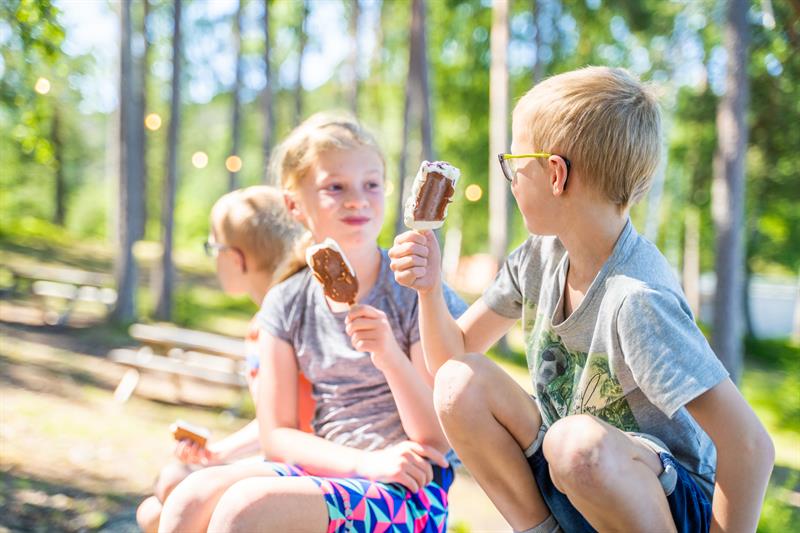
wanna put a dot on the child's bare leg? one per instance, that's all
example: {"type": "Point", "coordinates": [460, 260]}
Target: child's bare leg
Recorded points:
{"type": "Point", "coordinates": [148, 514]}
{"type": "Point", "coordinates": [149, 511]}
{"type": "Point", "coordinates": [490, 420]}
{"type": "Point", "coordinates": [189, 506]}
{"type": "Point", "coordinates": [610, 478]}
{"type": "Point", "coordinates": [271, 504]}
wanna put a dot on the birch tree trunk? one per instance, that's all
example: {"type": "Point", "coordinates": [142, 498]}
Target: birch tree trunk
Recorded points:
{"type": "Point", "coordinates": [266, 102]}
{"type": "Point", "coordinates": [352, 88]}
{"type": "Point", "coordinates": [416, 108]}
{"type": "Point", "coordinates": [167, 271]}
{"type": "Point", "coordinates": [140, 147]}
{"type": "Point", "coordinates": [236, 120]}
{"type": "Point", "coordinates": [728, 192]}
{"type": "Point", "coordinates": [301, 52]}
{"type": "Point", "coordinates": [498, 131]}
{"type": "Point", "coordinates": [125, 271]}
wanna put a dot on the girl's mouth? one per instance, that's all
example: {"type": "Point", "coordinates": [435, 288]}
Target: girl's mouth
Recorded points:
{"type": "Point", "coordinates": [355, 220]}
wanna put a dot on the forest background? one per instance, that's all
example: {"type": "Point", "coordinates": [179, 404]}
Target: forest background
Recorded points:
{"type": "Point", "coordinates": [108, 141]}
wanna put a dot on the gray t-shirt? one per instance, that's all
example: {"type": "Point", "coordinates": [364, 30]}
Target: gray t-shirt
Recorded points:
{"type": "Point", "coordinates": [355, 406]}
{"type": "Point", "coordinates": [630, 354]}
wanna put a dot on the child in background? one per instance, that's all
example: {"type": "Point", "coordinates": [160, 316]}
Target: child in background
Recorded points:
{"type": "Point", "coordinates": [376, 457]}
{"type": "Point", "coordinates": [252, 238]}
{"type": "Point", "coordinates": [635, 425]}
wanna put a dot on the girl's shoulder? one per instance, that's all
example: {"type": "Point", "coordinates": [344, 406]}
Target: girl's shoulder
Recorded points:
{"type": "Point", "coordinates": [293, 289]}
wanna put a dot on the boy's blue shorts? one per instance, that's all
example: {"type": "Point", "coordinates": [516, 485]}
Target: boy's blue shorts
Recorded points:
{"type": "Point", "coordinates": [690, 507]}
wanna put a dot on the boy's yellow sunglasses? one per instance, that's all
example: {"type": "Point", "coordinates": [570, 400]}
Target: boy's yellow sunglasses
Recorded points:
{"type": "Point", "coordinates": [510, 168]}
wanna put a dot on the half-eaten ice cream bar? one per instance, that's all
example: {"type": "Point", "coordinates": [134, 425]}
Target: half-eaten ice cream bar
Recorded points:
{"type": "Point", "coordinates": [333, 271]}
{"type": "Point", "coordinates": [433, 188]}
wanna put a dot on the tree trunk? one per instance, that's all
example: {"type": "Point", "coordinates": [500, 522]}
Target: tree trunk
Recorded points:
{"type": "Point", "coordinates": [728, 192]}
{"type": "Point", "coordinates": [57, 140]}
{"type": "Point", "coordinates": [140, 148]}
{"type": "Point", "coordinates": [796, 322]}
{"type": "Point", "coordinates": [498, 131]}
{"type": "Point", "coordinates": [416, 107]}
{"type": "Point", "coordinates": [691, 259]}
{"type": "Point", "coordinates": [267, 107]}
{"type": "Point", "coordinates": [302, 37]}
{"type": "Point", "coordinates": [167, 271]}
{"type": "Point", "coordinates": [538, 66]}
{"type": "Point", "coordinates": [421, 76]}
{"type": "Point", "coordinates": [352, 89]}
{"type": "Point", "coordinates": [125, 271]}
{"type": "Point", "coordinates": [233, 181]}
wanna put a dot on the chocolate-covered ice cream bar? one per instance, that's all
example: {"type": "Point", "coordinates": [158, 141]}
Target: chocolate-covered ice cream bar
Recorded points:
{"type": "Point", "coordinates": [182, 430]}
{"type": "Point", "coordinates": [433, 188]}
{"type": "Point", "coordinates": [331, 268]}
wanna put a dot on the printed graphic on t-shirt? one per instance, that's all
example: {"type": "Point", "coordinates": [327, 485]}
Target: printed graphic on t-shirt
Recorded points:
{"type": "Point", "coordinates": [571, 382]}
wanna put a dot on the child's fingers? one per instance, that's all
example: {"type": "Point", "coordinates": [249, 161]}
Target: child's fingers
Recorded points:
{"type": "Point", "coordinates": [360, 324]}
{"type": "Point", "coordinates": [410, 236]}
{"type": "Point", "coordinates": [407, 278]}
{"type": "Point", "coordinates": [431, 453]}
{"type": "Point", "coordinates": [422, 466]}
{"type": "Point", "coordinates": [408, 262]}
{"type": "Point", "coordinates": [405, 479]}
{"type": "Point", "coordinates": [408, 248]}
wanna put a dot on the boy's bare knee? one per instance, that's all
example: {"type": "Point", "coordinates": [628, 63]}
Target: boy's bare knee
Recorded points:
{"type": "Point", "coordinates": [168, 479]}
{"type": "Point", "coordinates": [457, 386]}
{"type": "Point", "coordinates": [577, 449]}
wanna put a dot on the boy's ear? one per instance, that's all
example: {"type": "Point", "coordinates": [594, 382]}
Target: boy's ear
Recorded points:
{"type": "Point", "coordinates": [292, 206]}
{"type": "Point", "coordinates": [240, 259]}
{"type": "Point", "coordinates": [557, 172]}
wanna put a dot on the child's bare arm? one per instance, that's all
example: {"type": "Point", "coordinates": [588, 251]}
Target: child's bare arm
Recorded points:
{"type": "Point", "coordinates": [416, 263]}
{"type": "Point", "coordinates": [370, 331]}
{"type": "Point", "coordinates": [745, 455]}
{"type": "Point", "coordinates": [277, 412]}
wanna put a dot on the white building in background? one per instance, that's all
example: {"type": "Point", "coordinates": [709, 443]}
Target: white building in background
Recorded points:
{"type": "Point", "coordinates": [773, 304]}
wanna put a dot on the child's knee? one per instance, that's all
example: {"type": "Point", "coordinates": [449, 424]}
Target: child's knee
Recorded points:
{"type": "Point", "coordinates": [231, 512]}
{"type": "Point", "coordinates": [457, 386]}
{"type": "Point", "coordinates": [148, 514]}
{"type": "Point", "coordinates": [578, 450]}
{"type": "Point", "coordinates": [190, 497]}
{"type": "Point", "coordinates": [168, 479]}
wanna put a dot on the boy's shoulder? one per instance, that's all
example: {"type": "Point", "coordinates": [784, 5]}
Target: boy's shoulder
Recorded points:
{"type": "Point", "coordinates": [536, 250]}
{"type": "Point", "coordinates": [643, 283]}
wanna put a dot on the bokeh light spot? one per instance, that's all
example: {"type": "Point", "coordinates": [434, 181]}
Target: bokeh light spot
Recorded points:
{"type": "Point", "coordinates": [233, 163]}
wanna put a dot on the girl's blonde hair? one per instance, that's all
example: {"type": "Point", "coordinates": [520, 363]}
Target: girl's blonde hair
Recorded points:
{"type": "Point", "coordinates": [255, 221]}
{"type": "Point", "coordinates": [294, 157]}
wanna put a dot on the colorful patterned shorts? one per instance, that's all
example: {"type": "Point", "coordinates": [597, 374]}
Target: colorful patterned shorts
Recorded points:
{"type": "Point", "coordinates": [363, 506]}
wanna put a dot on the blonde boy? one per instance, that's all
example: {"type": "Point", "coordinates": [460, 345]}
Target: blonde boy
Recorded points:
{"type": "Point", "coordinates": [634, 424]}
{"type": "Point", "coordinates": [252, 239]}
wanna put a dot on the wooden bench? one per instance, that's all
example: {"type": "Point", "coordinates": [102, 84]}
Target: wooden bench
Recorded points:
{"type": "Point", "coordinates": [180, 353]}
{"type": "Point", "coordinates": [70, 285]}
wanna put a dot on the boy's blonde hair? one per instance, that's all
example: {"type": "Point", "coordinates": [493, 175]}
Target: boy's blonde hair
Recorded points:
{"type": "Point", "coordinates": [255, 221]}
{"type": "Point", "coordinates": [605, 121]}
{"type": "Point", "coordinates": [319, 133]}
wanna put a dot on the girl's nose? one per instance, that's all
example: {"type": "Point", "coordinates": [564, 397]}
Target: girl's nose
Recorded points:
{"type": "Point", "coordinates": [355, 199]}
